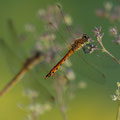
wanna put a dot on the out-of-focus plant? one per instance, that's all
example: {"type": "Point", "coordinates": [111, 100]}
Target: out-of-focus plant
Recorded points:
{"type": "Point", "coordinates": [110, 11]}
{"type": "Point", "coordinates": [34, 108]}
{"type": "Point", "coordinates": [99, 36]}
{"type": "Point", "coordinates": [114, 31]}
{"type": "Point", "coordinates": [116, 97]}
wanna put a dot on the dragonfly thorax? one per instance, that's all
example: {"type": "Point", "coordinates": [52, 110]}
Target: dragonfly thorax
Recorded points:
{"type": "Point", "coordinates": [79, 43]}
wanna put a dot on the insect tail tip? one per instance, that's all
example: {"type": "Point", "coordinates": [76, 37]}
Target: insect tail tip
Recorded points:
{"type": "Point", "coordinates": [45, 78]}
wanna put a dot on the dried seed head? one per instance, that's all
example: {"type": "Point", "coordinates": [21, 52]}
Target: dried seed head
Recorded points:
{"type": "Point", "coordinates": [108, 6]}
{"type": "Point", "coordinates": [116, 96]}
{"type": "Point", "coordinates": [117, 40]}
{"type": "Point", "coordinates": [68, 20]}
{"type": "Point", "coordinates": [98, 34]}
{"type": "Point", "coordinates": [82, 84]}
{"type": "Point", "coordinates": [97, 30]}
{"type": "Point", "coordinates": [31, 93]}
{"type": "Point", "coordinates": [100, 13]}
{"type": "Point", "coordinates": [47, 37]}
{"type": "Point", "coordinates": [30, 28]}
{"type": "Point", "coordinates": [41, 13]}
{"type": "Point", "coordinates": [113, 31]}
{"type": "Point", "coordinates": [70, 75]}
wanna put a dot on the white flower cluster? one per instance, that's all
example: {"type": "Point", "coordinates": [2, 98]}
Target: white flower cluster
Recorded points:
{"type": "Point", "coordinates": [116, 96]}
{"type": "Point", "coordinates": [39, 109]}
{"type": "Point", "coordinates": [30, 93]}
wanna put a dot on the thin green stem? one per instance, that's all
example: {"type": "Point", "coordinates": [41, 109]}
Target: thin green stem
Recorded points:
{"type": "Point", "coordinates": [118, 112]}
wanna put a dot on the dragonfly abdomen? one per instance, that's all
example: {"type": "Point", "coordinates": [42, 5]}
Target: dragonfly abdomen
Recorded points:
{"type": "Point", "coordinates": [56, 67]}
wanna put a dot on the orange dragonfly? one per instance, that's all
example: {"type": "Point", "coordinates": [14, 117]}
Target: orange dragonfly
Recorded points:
{"type": "Point", "coordinates": [78, 44]}
{"type": "Point", "coordinates": [84, 42]}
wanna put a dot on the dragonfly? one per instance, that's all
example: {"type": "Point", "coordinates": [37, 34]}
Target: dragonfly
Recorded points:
{"type": "Point", "coordinates": [79, 43]}
{"type": "Point", "coordinates": [84, 43]}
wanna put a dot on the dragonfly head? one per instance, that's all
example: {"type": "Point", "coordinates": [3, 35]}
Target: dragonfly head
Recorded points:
{"type": "Point", "coordinates": [85, 37]}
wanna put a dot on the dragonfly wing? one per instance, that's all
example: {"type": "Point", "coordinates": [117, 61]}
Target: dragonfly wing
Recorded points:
{"type": "Point", "coordinates": [34, 82]}
{"type": "Point", "coordinates": [103, 60]}
{"type": "Point", "coordinates": [91, 71]}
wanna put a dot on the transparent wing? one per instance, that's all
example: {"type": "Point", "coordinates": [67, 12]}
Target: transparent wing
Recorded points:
{"type": "Point", "coordinates": [90, 70]}
{"type": "Point", "coordinates": [103, 60]}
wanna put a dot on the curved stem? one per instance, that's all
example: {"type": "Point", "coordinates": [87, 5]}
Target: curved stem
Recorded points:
{"type": "Point", "coordinates": [106, 51]}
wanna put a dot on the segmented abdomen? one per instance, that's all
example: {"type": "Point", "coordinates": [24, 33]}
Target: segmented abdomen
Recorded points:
{"type": "Point", "coordinates": [56, 67]}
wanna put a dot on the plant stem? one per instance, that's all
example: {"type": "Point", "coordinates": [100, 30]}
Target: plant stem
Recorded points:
{"type": "Point", "coordinates": [118, 112]}
{"type": "Point", "coordinates": [106, 51]}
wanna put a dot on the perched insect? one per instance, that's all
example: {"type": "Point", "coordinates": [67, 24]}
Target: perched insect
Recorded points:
{"type": "Point", "coordinates": [78, 44]}
{"type": "Point", "coordinates": [84, 42]}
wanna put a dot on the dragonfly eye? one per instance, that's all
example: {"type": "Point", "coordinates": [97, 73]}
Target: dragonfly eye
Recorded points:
{"type": "Point", "coordinates": [85, 37]}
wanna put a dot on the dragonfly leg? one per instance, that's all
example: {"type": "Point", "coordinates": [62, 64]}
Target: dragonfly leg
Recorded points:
{"type": "Point", "coordinates": [89, 48]}
{"type": "Point", "coordinates": [85, 50]}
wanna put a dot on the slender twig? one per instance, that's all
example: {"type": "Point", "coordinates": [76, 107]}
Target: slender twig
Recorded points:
{"type": "Point", "coordinates": [106, 51]}
{"type": "Point", "coordinates": [59, 87]}
{"type": "Point", "coordinates": [99, 39]}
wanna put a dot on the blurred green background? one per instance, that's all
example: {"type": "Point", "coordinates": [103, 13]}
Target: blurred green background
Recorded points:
{"type": "Point", "coordinates": [92, 103]}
